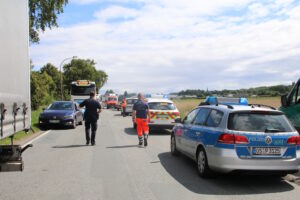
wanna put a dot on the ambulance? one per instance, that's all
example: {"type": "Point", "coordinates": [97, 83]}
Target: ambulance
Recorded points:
{"type": "Point", "coordinates": [163, 113]}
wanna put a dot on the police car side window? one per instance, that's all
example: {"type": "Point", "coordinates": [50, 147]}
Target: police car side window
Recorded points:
{"type": "Point", "coordinates": [214, 118]}
{"type": "Point", "coordinates": [190, 117]}
{"type": "Point", "coordinates": [202, 116]}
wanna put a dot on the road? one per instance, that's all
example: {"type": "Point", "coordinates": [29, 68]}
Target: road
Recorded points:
{"type": "Point", "coordinates": [61, 166]}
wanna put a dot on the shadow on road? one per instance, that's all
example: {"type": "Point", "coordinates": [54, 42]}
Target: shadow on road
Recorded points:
{"type": "Point", "coordinates": [55, 127]}
{"type": "Point", "coordinates": [184, 171]}
{"type": "Point", "coordinates": [69, 146]}
{"type": "Point", "coordinates": [155, 132]}
{"type": "Point", "coordinates": [123, 146]}
{"type": "Point", "coordinates": [132, 131]}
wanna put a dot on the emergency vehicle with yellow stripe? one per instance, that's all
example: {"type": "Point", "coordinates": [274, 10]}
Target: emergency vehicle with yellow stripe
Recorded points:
{"type": "Point", "coordinates": [163, 113]}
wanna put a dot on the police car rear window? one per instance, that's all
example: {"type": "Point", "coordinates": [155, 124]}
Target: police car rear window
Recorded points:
{"type": "Point", "coordinates": [161, 106]}
{"type": "Point", "coordinates": [259, 122]}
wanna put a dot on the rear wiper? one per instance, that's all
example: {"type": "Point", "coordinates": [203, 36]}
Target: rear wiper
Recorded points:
{"type": "Point", "coordinates": [272, 130]}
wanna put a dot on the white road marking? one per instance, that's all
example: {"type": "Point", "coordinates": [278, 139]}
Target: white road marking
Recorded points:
{"type": "Point", "coordinates": [34, 139]}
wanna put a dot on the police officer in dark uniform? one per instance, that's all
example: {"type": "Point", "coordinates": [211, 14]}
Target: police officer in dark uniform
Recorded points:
{"type": "Point", "coordinates": [91, 116]}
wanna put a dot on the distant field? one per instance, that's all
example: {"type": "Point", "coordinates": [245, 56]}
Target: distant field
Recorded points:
{"type": "Point", "coordinates": [186, 105]}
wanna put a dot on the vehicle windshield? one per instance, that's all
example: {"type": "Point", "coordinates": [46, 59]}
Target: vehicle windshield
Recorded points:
{"type": "Point", "coordinates": [82, 90]}
{"type": "Point", "coordinates": [259, 122]}
{"type": "Point", "coordinates": [161, 106]}
{"type": "Point", "coordinates": [61, 106]}
{"type": "Point", "coordinates": [112, 99]}
{"type": "Point", "coordinates": [131, 101]}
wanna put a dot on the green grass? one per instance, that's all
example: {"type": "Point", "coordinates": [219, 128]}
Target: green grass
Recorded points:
{"type": "Point", "coordinates": [34, 125]}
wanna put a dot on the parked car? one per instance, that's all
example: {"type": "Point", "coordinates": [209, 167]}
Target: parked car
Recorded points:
{"type": "Point", "coordinates": [79, 101]}
{"type": "Point", "coordinates": [129, 105]}
{"type": "Point", "coordinates": [163, 113]}
{"type": "Point", "coordinates": [229, 136]}
{"type": "Point", "coordinates": [66, 113]}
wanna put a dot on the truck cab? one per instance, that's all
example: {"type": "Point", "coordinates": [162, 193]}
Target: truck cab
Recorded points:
{"type": "Point", "coordinates": [290, 105]}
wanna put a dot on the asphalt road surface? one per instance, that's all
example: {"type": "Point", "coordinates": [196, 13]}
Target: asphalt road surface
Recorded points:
{"type": "Point", "coordinates": [61, 166]}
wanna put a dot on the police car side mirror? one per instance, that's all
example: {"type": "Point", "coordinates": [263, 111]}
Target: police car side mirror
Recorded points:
{"type": "Point", "coordinates": [284, 101]}
{"type": "Point", "coordinates": [178, 120]}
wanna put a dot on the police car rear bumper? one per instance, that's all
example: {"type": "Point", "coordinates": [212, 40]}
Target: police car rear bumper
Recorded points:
{"type": "Point", "coordinates": [226, 160]}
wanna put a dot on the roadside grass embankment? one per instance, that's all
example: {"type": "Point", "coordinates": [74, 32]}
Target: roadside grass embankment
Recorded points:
{"type": "Point", "coordinates": [34, 125]}
{"type": "Point", "coordinates": [186, 105]}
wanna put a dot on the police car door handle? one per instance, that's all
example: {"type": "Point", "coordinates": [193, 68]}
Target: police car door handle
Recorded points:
{"type": "Point", "coordinates": [198, 133]}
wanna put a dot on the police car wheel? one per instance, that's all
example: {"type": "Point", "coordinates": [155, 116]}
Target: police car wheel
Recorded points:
{"type": "Point", "coordinates": [202, 164]}
{"type": "Point", "coordinates": [174, 151]}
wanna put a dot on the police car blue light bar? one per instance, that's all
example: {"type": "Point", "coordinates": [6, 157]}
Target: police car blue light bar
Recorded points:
{"type": "Point", "coordinates": [226, 101]}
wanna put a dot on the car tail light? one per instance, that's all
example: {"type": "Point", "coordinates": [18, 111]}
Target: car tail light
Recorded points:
{"type": "Point", "coordinates": [226, 138]}
{"type": "Point", "coordinates": [177, 114]}
{"type": "Point", "coordinates": [294, 140]}
{"type": "Point", "coordinates": [240, 139]}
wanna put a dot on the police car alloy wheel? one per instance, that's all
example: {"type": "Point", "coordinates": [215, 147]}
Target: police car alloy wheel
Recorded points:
{"type": "Point", "coordinates": [174, 151]}
{"type": "Point", "coordinates": [202, 164]}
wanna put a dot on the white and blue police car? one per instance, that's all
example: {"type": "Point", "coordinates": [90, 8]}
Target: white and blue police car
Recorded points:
{"type": "Point", "coordinates": [229, 135]}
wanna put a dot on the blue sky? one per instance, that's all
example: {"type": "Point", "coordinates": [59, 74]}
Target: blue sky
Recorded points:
{"type": "Point", "coordinates": [170, 45]}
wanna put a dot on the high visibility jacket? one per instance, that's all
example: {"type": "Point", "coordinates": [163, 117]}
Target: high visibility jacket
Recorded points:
{"type": "Point", "coordinates": [123, 105]}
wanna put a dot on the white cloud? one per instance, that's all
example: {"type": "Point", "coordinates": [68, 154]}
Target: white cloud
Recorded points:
{"type": "Point", "coordinates": [173, 45]}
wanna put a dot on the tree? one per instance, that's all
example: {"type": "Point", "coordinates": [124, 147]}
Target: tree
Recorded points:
{"type": "Point", "coordinates": [42, 89]}
{"type": "Point", "coordinates": [81, 69]}
{"type": "Point", "coordinates": [43, 14]}
{"type": "Point", "coordinates": [109, 92]}
{"type": "Point", "coordinates": [53, 72]}
{"type": "Point", "coordinates": [125, 94]}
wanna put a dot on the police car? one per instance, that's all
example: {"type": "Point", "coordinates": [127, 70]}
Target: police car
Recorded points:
{"type": "Point", "coordinates": [228, 135]}
{"type": "Point", "coordinates": [163, 113]}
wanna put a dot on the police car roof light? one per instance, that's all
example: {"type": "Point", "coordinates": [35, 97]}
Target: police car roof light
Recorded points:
{"type": "Point", "coordinates": [226, 101]}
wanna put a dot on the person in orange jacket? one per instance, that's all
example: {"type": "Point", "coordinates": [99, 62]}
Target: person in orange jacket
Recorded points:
{"type": "Point", "coordinates": [123, 107]}
{"type": "Point", "coordinates": [141, 115]}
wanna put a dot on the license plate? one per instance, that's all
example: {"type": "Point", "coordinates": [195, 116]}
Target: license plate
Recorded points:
{"type": "Point", "coordinates": [54, 121]}
{"type": "Point", "coordinates": [162, 116]}
{"type": "Point", "coordinates": [266, 151]}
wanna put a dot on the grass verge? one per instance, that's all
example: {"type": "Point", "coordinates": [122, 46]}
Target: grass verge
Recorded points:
{"type": "Point", "coordinates": [34, 125]}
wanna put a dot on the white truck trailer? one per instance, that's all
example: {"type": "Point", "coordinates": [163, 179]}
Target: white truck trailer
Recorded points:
{"type": "Point", "coordinates": [14, 80]}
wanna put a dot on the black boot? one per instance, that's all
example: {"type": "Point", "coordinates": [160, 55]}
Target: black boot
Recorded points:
{"type": "Point", "coordinates": [140, 141]}
{"type": "Point", "coordinates": [146, 140]}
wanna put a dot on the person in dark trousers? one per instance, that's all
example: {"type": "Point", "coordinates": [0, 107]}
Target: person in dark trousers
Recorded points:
{"type": "Point", "coordinates": [141, 116]}
{"type": "Point", "coordinates": [91, 116]}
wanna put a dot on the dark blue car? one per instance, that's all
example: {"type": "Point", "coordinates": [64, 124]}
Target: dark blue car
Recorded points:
{"type": "Point", "coordinates": [65, 113]}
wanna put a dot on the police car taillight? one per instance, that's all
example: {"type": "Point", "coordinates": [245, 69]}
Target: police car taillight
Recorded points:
{"type": "Point", "coordinates": [226, 138]}
{"type": "Point", "coordinates": [294, 140]}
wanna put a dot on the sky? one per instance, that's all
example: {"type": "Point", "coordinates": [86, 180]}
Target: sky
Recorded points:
{"type": "Point", "coordinates": [166, 46]}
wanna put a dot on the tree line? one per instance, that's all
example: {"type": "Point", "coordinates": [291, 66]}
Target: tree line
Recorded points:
{"type": "Point", "coordinates": [45, 83]}
{"type": "Point", "coordinates": [270, 91]}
